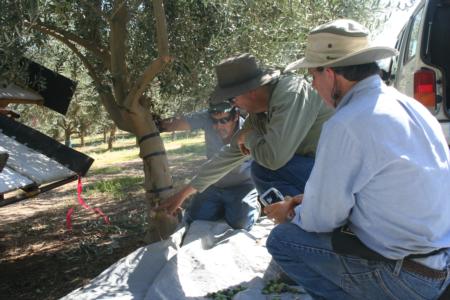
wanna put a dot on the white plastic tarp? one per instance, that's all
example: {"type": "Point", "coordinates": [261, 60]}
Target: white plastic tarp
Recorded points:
{"type": "Point", "coordinates": [13, 92]}
{"type": "Point", "coordinates": [212, 257]}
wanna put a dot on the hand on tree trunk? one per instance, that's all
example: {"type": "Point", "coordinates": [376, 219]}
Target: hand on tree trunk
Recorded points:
{"type": "Point", "coordinates": [174, 202]}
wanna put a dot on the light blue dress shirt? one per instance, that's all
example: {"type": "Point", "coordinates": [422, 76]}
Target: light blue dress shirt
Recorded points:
{"type": "Point", "coordinates": [382, 165]}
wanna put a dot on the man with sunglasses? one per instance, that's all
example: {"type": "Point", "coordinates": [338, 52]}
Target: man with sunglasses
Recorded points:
{"type": "Point", "coordinates": [233, 197]}
{"type": "Point", "coordinates": [280, 134]}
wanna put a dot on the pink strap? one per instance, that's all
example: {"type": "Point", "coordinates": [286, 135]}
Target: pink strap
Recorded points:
{"type": "Point", "coordinates": [83, 203]}
{"type": "Point", "coordinates": [69, 219]}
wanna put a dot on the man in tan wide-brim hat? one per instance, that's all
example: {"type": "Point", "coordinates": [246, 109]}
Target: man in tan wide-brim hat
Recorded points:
{"type": "Point", "coordinates": [373, 221]}
{"type": "Point", "coordinates": [280, 134]}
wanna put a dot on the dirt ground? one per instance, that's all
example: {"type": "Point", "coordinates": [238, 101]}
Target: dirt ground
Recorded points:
{"type": "Point", "coordinates": [41, 259]}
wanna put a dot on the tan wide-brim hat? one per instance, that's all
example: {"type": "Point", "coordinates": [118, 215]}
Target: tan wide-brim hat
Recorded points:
{"type": "Point", "coordinates": [340, 43]}
{"type": "Point", "coordinates": [239, 74]}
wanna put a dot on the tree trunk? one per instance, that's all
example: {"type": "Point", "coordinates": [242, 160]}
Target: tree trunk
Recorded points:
{"type": "Point", "coordinates": [55, 134]}
{"type": "Point", "coordinates": [82, 133]}
{"type": "Point", "coordinates": [67, 134]}
{"type": "Point", "coordinates": [112, 136]}
{"type": "Point", "coordinates": [105, 132]}
{"type": "Point", "coordinates": [158, 182]}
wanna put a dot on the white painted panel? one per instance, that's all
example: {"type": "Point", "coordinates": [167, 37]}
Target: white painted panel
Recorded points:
{"type": "Point", "coordinates": [32, 164]}
{"type": "Point", "coordinates": [15, 92]}
{"type": "Point", "coordinates": [10, 181]}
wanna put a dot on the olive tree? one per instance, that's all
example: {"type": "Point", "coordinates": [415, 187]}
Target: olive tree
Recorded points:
{"type": "Point", "coordinates": [102, 35]}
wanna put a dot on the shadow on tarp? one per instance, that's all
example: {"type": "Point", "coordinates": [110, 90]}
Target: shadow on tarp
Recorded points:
{"type": "Point", "coordinates": [117, 282]}
{"type": "Point", "coordinates": [164, 271]}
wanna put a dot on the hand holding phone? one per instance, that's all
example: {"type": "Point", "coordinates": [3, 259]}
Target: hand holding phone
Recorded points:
{"type": "Point", "coordinates": [271, 196]}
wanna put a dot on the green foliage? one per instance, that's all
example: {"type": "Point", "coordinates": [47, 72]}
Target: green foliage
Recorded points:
{"type": "Point", "coordinates": [12, 42]}
{"type": "Point", "coordinates": [278, 287]}
{"type": "Point", "coordinates": [226, 294]}
{"type": "Point", "coordinates": [201, 34]}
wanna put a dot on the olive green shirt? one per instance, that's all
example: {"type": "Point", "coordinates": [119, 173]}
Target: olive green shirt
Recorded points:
{"type": "Point", "coordinates": [291, 126]}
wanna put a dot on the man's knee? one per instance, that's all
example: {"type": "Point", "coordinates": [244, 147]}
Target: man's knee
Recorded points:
{"type": "Point", "coordinates": [244, 219]}
{"type": "Point", "coordinates": [273, 242]}
{"type": "Point", "coordinates": [241, 224]}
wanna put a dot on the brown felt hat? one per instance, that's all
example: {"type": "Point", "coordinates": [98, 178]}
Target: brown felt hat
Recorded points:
{"type": "Point", "coordinates": [239, 74]}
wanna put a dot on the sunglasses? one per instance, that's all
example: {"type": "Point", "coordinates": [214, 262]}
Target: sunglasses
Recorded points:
{"type": "Point", "coordinates": [222, 120]}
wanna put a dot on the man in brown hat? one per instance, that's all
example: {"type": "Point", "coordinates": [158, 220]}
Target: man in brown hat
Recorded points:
{"type": "Point", "coordinates": [280, 134]}
{"type": "Point", "coordinates": [373, 222]}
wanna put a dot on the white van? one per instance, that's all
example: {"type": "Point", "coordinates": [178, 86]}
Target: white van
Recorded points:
{"type": "Point", "coordinates": [422, 69]}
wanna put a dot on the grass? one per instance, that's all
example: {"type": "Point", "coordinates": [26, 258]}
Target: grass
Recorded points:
{"type": "Point", "coordinates": [110, 163]}
{"type": "Point", "coordinates": [116, 187]}
{"type": "Point", "coordinates": [125, 148]}
{"type": "Point", "coordinates": [105, 170]}
{"type": "Point", "coordinates": [188, 149]}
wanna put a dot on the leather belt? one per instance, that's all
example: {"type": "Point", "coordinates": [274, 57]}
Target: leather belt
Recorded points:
{"type": "Point", "coordinates": [347, 243]}
{"type": "Point", "coordinates": [415, 267]}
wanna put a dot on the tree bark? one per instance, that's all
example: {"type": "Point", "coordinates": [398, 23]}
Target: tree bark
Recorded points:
{"type": "Point", "coordinates": [158, 182]}
{"type": "Point", "coordinates": [67, 134]}
{"type": "Point", "coordinates": [82, 139]}
{"type": "Point", "coordinates": [112, 136]}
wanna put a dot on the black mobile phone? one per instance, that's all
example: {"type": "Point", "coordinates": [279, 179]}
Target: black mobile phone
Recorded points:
{"type": "Point", "coordinates": [271, 196]}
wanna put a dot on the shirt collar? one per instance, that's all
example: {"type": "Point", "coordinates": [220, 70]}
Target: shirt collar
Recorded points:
{"type": "Point", "coordinates": [373, 81]}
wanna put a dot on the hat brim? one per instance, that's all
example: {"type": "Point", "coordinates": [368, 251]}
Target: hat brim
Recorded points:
{"type": "Point", "coordinates": [221, 94]}
{"type": "Point", "coordinates": [221, 107]}
{"type": "Point", "coordinates": [364, 56]}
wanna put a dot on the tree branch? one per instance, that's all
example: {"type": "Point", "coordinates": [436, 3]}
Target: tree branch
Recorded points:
{"type": "Point", "coordinates": [117, 9]}
{"type": "Point", "coordinates": [158, 64]}
{"type": "Point", "coordinates": [97, 10]}
{"type": "Point", "coordinates": [56, 32]}
{"type": "Point", "coordinates": [161, 28]}
{"type": "Point", "coordinates": [107, 98]}
{"type": "Point", "coordinates": [118, 48]}
{"type": "Point", "coordinates": [114, 111]}
{"type": "Point", "coordinates": [141, 83]}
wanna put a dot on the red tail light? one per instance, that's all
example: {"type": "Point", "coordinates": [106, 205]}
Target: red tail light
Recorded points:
{"type": "Point", "coordinates": [425, 88]}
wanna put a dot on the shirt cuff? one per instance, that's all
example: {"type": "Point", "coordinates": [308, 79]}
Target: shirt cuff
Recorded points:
{"type": "Point", "coordinates": [297, 220]}
{"type": "Point", "coordinates": [197, 184]}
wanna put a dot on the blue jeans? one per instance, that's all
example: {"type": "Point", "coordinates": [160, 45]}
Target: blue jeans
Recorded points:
{"type": "Point", "coordinates": [309, 260]}
{"type": "Point", "coordinates": [290, 179]}
{"type": "Point", "coordinates": [236, 204]}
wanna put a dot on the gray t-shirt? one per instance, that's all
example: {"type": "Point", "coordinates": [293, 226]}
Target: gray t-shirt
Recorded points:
{"type": "Point", "coordinates": [239, 175]}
